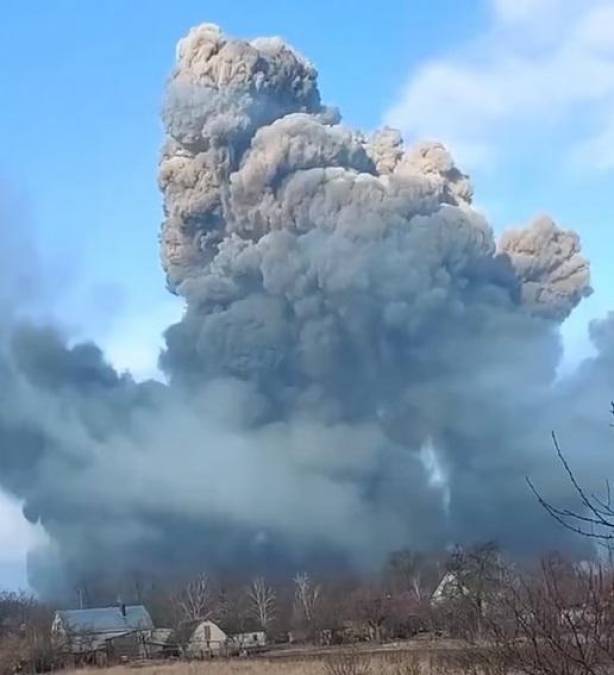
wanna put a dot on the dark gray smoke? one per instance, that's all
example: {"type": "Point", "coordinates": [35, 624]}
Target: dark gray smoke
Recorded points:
{"type": "Point", "coordinates": [360, 366]}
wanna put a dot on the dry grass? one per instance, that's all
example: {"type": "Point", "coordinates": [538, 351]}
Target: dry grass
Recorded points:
{"type": "Point", "coordinates": [335, 664]}
{"type": "Point", "coordinates": [215, 667]}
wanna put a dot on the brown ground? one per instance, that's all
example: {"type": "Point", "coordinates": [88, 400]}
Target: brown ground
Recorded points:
{"type": "Point", "coordinates": [413, 658]}
{"type": "Point", "coordinates": [268, 667]}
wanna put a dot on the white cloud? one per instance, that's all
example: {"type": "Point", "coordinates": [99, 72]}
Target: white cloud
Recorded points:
{"type": "Point", "coordinates": [518, 11]}
{"type": "Point", "coordinates": [543, 68]}
{"type": "Point", "coordinates": [16, 533]}
{"type": "Point", "coordinates": [18, 537]}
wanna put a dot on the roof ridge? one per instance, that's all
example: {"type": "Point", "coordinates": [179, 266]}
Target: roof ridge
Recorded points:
{"type": "Point", "coordinates": [97, 609]}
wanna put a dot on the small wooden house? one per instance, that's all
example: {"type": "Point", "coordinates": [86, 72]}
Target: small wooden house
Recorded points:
{"type": "Point", "coordinates": [161, 643]}
{"type": "Point", "coordinates": [207, 639]}
{"type": "Point", "coordinates": [120, 631]}
{"type": "Point", "coordinates": [250, 641]}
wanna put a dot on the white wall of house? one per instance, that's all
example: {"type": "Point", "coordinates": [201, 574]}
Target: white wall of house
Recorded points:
{"type": "Point", "coordinates": [249, 640]}
{"type": "Point", "coordinates": [208, 638]}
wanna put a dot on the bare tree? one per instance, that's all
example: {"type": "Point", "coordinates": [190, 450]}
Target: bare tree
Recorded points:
{"type": "Point", "coordinates": [373, 606]}
{"type": "Point", "coordinates": [476, 578]}
{"type": "Point", "coordinates": [306, 601]}
{"type": "Point", "coordinates": [262, 601]}
{"type": "Point", "coordinates": [559, 621]}
{"type": "Point", "coordinates": [194, 601]}
{"type": "Point", "coordinates": [414, 572]}
{"type": "Point", "coordinates": [25, 636]}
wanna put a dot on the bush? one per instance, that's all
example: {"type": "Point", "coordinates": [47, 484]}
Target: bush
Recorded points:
{"type": "Point", "coordinates": [348, 663]}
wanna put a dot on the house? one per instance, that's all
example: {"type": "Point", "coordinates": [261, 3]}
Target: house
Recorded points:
{"type": "Point", "coordinates": [206, 639]}
{"type": "Point", "coordinates": [118, 631]}
{"type": "Point", "coordinates": [449, 588]}
{"type": "Point", "coordinates": [162, 642]}
{"type": "Point", "coordinates": [127, 646]}
{"type": "Point", "coordinates": [248, 641]}
{"type": "Point", "coordinates": [349, 632]}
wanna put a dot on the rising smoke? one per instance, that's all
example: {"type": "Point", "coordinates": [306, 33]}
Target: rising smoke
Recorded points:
{"type": "Point", "coordinates": [360, 367]}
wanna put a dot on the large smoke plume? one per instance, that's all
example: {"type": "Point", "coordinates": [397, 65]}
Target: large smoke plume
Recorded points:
{"type": "Point", "coordinates": [361, 367]}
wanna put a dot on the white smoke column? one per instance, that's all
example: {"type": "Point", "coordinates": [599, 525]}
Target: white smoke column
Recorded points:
{"type": "Point", "coordinates": [436, 472]}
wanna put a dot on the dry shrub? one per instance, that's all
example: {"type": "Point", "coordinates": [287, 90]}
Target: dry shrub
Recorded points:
{"type": "Point", "coordinates": [403, 664]}
{"type": "Point", "coordinates": [478, 662]}
{"type": "Point", "coordinates": [12, 654]}
{"type": "Point", "coordinates": [347, 663]}
{"type": "Point", "coordinates": [443, 664]}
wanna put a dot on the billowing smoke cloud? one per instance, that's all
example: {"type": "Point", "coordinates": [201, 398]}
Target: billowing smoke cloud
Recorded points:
{"type": "Point", "coordinates": [547, 260]}
{"type": "Point", "coordinates": [360, 366]}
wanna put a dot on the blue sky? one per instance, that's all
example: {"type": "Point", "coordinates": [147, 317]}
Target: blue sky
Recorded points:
{"type": "Point", "coordinates": [521, 90]}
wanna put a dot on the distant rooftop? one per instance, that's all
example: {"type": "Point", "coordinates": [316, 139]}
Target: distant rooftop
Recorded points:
{"type": "Point", "coordinates": [106, 619]}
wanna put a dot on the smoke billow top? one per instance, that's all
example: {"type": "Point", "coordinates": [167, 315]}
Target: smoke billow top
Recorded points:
{"type": "Point", "coordinates": [360, 367]}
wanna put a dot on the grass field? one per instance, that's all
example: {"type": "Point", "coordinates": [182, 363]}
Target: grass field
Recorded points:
{"type": "Point", "coordinates": [375, 666]}
{"type": "Point", "coordinates": [340, 663]}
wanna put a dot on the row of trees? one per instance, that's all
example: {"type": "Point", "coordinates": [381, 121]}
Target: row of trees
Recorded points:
{"type": "Point", "coordinates": [303, 607]}
{"type": "Point", "coordinates": [556, 617]}
{"type": "Point", "coordinates": [397, 603]}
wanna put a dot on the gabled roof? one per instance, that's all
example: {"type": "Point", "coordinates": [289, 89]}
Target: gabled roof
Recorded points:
{"type": "Point", "coordinates": [106, 619]}
{"type": "Point", "coordinates": [450, 587]}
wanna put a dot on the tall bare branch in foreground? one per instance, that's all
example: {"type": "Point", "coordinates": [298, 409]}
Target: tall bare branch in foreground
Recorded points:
{"type": "Point", "coordinates": [595, 516]}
